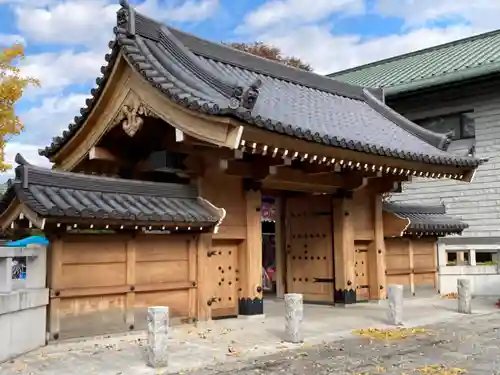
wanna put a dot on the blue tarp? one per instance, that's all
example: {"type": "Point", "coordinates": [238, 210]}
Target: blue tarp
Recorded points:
{"type": "Point", "coordinates": [32, 240]}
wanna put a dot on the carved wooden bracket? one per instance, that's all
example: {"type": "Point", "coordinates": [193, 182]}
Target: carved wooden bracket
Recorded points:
{"type": "Point", "coordinates": [131, 115]}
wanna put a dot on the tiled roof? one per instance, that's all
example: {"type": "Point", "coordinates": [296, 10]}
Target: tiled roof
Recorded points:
{"type": "Point", "coordinates": [426, 219]}
{"type": "Point", "coordinates": [451, 62]}
{"type": "Point", "coordinates": [215, 79]}
{"type": "Point", "coordinates": [54, 194]}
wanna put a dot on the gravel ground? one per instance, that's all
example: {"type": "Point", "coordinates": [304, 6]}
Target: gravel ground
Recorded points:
{"type": "Point", "coordinates": [470, 346]}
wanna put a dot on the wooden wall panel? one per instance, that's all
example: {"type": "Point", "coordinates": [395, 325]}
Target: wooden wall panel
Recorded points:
{"type": "Point", "coordinates": [227, 192]}
{"type": "Point", "coordinates": [91, 315]}
{"type": "Point", "coordinates": [93, 261]}
{"type": "Point", "coordinates": [157, 248]}
{"type": "Point", "coordinates": [77, 251]}
{"type": "Point", "coordinates": [398, 263]}
{"type": "Point", "coordinates": [93, 275]}
{"type": "Point", "coordinates": [362, 211]}
{"type": "Point", "coordinates": [104, 283]}
{"type": "Point", "coordinates": [412, 262]}
{"type": "Point", "coordinates": [176, 300]}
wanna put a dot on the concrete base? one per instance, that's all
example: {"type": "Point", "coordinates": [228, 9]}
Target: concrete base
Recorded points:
{"type": "Point", "coordinates": [22, 322]}
{"type": "Point", "coordinates": [252, 317]}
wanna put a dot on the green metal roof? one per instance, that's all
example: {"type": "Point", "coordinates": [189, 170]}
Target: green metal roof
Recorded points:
{"type": "Point", "coordinates": [459, 60]}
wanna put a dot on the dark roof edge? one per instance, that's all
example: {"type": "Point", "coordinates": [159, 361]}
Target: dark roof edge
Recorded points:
{"type": "Point", "coordinates": [31, 174]}
{"type": "Point", "coordinates": [397, 207]}
{"type": "Point", "coordinates": [458, 76]}
{"type": "Point", "coordinates": [439, 141]}
{"type": "Point", "coordinates": [413, 53]}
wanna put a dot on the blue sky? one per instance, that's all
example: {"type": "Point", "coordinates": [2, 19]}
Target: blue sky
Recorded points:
{"type": "Point", "coordinates": [66, 40]}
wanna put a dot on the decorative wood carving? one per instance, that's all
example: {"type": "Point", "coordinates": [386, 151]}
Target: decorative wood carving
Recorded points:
{"type": "Point", "coordinates": [131, 115]}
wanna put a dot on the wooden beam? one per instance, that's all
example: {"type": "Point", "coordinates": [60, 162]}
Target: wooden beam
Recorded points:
{"type": "Point", "coordinates": [100, 153]}
{"type": "Point", "coordinates": [204, 292]}
{"type": "Point", "coordinates": [243, 169]}
{"type": "Point", "coordinates": [376, 253]}
{"type": "Point", "coordinates": [192, 264]}
{"type": "Point", "coordinates": [179, 136]}
{"type": "Point", "coordinates": [55, 283]}
{"type": "Point", "coordinates": [130, 277]}
{"type": "Point", "coordinates": [279, 242]}
{"type": "Point", "coordinates": [330, 181]}
{"type": "Point", "coordinates": [344, 253]}
{"type": "Point", "coordinates": [411, 263]}
{"type": "Point", "coordinates": [394, 226]}
{"type": "Point", "coordinates": [250, 259]}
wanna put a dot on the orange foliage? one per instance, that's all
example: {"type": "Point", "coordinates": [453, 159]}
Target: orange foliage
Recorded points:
{"type": "Point", "coordinates": [271, 53]}
{"type": "Point", "coordinates": [12, 86]}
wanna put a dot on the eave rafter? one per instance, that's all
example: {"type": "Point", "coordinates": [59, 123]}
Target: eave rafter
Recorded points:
{"type": "Point", "coordinates": [353, 163]}
{"type": "Point", "coordinates": [18, 212]}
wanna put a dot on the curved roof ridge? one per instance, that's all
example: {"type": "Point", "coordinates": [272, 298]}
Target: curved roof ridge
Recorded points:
{"type": "Point", "coordinates": [440, 141]}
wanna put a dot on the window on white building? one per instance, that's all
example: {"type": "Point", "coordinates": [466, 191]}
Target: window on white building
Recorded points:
{"type": "Point", "coordinates": [457, 258]}
{"type": "Point", "coordinates": [462, 125]}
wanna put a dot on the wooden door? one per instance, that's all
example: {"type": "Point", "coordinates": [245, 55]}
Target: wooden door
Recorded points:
{"type": "Point", "coordinates": [361, 268]}
{"type": "Point", "coordinates": [309, 249]}
{"type": "Point", "coordinates": [223, 265]}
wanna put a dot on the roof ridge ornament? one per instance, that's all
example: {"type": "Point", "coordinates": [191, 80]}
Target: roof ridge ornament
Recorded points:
{"type": "Point", "coordinates": [131, 115]}
{"type": "Point", "coordinates": [246, 98]}
{"type": "Point", "coordinates": [126, 15]}
{"type": "Point", "coordinates": [19, 159]}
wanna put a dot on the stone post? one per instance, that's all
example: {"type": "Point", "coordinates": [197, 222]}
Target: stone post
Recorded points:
{"type": "Point", "coordinates": [36, 267]}
{"type": "Point", "coordinates": [157, 347]}
{"type": "Point", "coordinates": [5, 275]}
{"type": "Point", "coordinates": [395, 295]}
{"type": "Point", "coordinates": [464, 296]}
{"type": "Point", "coordinates": [294, 314]}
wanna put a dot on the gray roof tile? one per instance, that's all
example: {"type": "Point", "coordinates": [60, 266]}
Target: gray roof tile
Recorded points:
{"type": "Point", "coordinates": [426, 219]}
{"type": "Point", "coordinates": [73, 195]}
{"type": "Point", "coordinates": [215, 79]}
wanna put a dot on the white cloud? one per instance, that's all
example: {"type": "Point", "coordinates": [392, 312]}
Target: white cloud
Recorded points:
{"type": "Point", "coordinates": [9, 39]}
{"type": "Point", "coordinates": [77, 22]}
{"type": "Point", "coordinates": [59, 70]}
{"type": "Point", "coordinates": [86, 23]}
{"type": "Point", "coordinates": [482, 14]}
{"type": "Point", "coordinates": [301, 30]}
{"type": "Point", "coordinates": [28, 151]}
{"type": "Point", "coordinates": [292, 12]}
{"type": "Point", "coordinates": [90, 22]}
{"type": "Point", "coordinates": [41, 124]}
{"type": "Point", "coordinates": [185, 11]}
{"type": "Point", "coordinates": [51, 117]}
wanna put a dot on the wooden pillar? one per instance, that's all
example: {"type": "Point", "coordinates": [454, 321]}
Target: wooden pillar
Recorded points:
{"type": "Point", "coordinates": [55, 285]}
{"type": "Point", "coordinates": [279, 240]}
{"type": "Point", "coordinates": [251, 298]}
{"type": "Point", "coordinates": [376, 254]}
{"type": "Point", "coordinates": [411, 264]}
{"type": "Point", "coordinates": [192, 260]}
{"type": "Point", "coordinates": [203, 282]}
{"type": "Point", "coordinates": [130, 297]}
{"type": "Point", "coordinates": [344, 251]}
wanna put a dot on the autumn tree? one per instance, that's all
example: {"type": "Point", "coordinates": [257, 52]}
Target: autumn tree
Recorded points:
{"type": "Point", "coordinates": [12, 86]}
{"type": "Point", "coordinates": [272, 53]}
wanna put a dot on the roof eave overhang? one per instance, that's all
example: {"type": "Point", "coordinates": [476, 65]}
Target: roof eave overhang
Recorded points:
{"type": "Point", "coordinates": [256, 140]}
{"type": "Point", "coordinates": [126, 87]}
{"type": "Point", "coordinates": [17, 210]}
{"type": "Point", "coordinates": [391, 91]}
